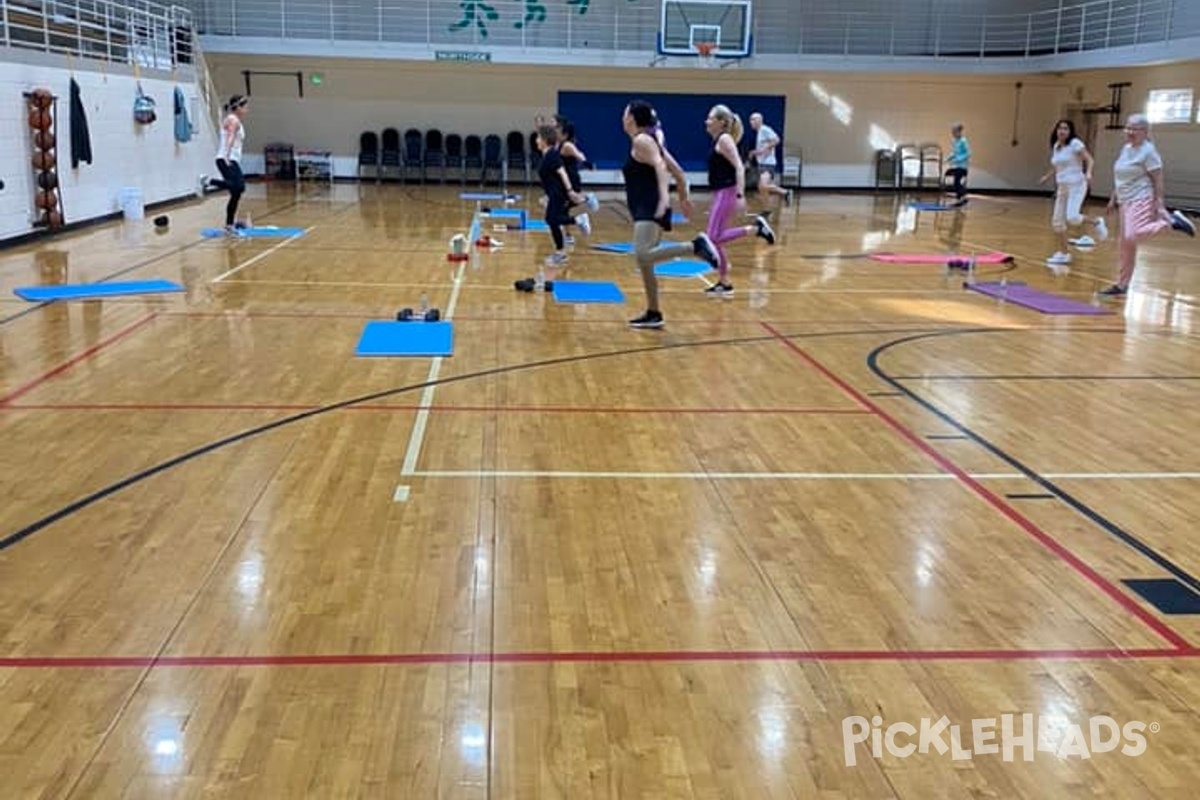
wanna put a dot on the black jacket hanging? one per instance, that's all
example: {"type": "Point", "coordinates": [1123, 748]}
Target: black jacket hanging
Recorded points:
{"type": "Point", "coordinates": [81, 142]}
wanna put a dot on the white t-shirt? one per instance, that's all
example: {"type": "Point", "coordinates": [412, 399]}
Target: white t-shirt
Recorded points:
{"type": "Point", "coordinates": [1131, 172]}
{"type": "Point", "coordinates": [235, 148]}
{"type": "Point", "coordinates": [1067, 160]}
{"type": "Point", "coordinates": [766, 136]}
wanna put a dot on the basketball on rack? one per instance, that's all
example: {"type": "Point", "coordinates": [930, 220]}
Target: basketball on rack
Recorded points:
{"type": "Point", "coordinates": [41, 98]}
{"type": "Point", "coordinates": [47, 180]}
{"type": "Point", "coordinates": [43, 140]}
{"type": "Point", "coordinates": [43, 159]}
{"type": "Point", "coordinates": [39, 120]}
{"type": "Point", "coordinates": [47, 200]}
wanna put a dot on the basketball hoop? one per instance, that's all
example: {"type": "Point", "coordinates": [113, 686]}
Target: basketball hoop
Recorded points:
{"type": "Point", "coordinates": [707, 53]}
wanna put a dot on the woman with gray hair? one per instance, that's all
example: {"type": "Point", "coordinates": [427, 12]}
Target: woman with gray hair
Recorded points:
{"type": "Point", "coordinates": [1138, 192]}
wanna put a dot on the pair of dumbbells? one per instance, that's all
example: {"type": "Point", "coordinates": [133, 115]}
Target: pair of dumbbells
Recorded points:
{"type": "Point", "coordinates": [408, 315]}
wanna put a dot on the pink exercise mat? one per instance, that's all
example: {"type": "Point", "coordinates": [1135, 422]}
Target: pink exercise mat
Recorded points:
{"type": "Point", "coordinates": [940, 258]}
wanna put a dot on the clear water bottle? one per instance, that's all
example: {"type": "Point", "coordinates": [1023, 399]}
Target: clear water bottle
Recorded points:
{"type": "Point", "coordinates": [424, 303]}
{"type": "Point", "coordinates": [539, 280]}
{"type": "Point", "coordinates": [1004, 288]}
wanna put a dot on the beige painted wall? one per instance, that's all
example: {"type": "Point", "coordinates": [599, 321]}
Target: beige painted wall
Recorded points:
{"type": "Point", "coordinates": [874, 110]}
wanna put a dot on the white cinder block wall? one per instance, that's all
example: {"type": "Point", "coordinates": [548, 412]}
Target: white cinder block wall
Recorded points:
{"type": "Point", "coordinates": [124, 153]}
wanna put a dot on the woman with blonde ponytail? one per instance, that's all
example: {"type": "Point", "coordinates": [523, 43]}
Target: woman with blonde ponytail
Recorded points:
{"type": "Point", "coordinates": [726, 177]}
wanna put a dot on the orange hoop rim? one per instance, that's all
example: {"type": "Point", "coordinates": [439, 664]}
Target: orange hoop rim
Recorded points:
{"type": "Point", "coordinates": [705, 49]}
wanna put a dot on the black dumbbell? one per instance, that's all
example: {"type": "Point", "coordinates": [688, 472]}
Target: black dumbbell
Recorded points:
{"type": "Point", "coordinates": [404, 315]}
{"type": "Point", "coordinates": [433, 315]}
{"type": "Point", "coordinates": [524, 285]}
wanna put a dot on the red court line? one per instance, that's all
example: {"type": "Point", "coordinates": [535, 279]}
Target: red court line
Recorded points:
{"type": "Point", "coordinates": [992, 499]}
{"type": "Point", "coordinates": [588, 657]}
{"type": "Point", "coordinates": [399, 407]}
{"type": "Point", "coordinates": [66, 365]}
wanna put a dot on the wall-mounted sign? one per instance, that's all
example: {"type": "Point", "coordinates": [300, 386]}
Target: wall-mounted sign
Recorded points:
{"type": "Point", "coordinates": [460, 55]}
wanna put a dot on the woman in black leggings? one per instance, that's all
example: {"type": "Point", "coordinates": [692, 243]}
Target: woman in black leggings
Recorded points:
{"type": "Point", "coordinates": [229, 159]}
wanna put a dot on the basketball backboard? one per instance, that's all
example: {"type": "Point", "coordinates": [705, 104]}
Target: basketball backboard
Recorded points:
{"type": "Point", "coordinates": [686, 23]}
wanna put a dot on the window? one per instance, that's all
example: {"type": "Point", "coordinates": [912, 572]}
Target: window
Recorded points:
{"type": "Point", "coordinates": [1169, 105]}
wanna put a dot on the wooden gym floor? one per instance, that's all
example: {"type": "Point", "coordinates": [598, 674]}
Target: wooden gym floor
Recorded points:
{"type": "Point", "coordinates": [577, 560]}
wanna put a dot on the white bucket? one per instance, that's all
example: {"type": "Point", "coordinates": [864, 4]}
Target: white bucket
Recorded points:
{"type": "Point", "coordinates": [130, 200]}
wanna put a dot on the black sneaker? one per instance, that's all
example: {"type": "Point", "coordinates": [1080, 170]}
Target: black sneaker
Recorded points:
{"type": "Point", "coordinates": [763, 229]}
{"type": "Point", "coordinates": [651, 319]}
{"type": "Point", "coordinates": [1182, 224]}
{"type": "Point", "coordinates": [720, 290]}
{"type": "Point", "coordinates": [704, 247]}
{"type": "Point", "coordinates": [1114, 291]}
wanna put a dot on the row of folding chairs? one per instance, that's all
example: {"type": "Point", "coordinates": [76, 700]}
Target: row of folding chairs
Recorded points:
{"type": "Point", "coordinates": [434, 156]}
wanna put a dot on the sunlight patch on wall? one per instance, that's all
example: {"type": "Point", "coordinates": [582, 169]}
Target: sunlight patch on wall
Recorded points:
{"type": "Point", "coordinates": [842, 111]}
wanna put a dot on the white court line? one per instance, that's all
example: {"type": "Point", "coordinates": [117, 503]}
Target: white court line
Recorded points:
{"type": "Point", "coordinates": [508, 288]}
{"type": "Point", "coordinates": [261, 255]}
{"type": "Point", "coordinates": [800, 476]}
{"type": "Point", "coordinates": [417, 438]}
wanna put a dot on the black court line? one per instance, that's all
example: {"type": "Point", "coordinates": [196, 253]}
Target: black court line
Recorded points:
{"type": "Point", "coordinates": [183, 458]}
{"type": "Point", "coordinates": [940, 437]}
{"type": "Point", "coordinates": [885, 394]}
{"type": "Point", "coordinates": [1087, 511]}
{"type": "Point", "coordinates": [1029, 496]}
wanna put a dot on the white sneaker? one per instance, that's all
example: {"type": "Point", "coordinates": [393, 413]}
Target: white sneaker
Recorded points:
{"type": "Point", "coordinates": [202, 185]}
{"type": "Point", "coordinates": [1059, 258]}
{"type": "Point", "coordinates": [585, 224]}
{"type": "Point", "coordinates": [1083, 241]}
{"type": "Point", "coordinates": [1101, 229]}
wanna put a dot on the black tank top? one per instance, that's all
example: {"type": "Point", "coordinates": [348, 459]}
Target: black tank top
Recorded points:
{"type": "Point", "coordinates": [641, 189]}
{"type": "Point", "coordinates": [572, 165]}
{"type": "Point", "coordinates": [721, 173]}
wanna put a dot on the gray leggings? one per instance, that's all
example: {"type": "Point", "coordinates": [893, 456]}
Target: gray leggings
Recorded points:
{"type": "Point", "coordinates": [646, 238]}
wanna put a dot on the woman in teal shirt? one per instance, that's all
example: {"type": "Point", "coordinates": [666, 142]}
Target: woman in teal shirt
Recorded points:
{"type": "Point", "coordinates": [960, 158]}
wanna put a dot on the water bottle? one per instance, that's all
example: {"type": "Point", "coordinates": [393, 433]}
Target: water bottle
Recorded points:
{"type": "Point", "coordinates": [1004, 288]}
{"type": "Point", "coordinates": [539, 281]}
{"type": "Point", "coordinates": [424, 303]}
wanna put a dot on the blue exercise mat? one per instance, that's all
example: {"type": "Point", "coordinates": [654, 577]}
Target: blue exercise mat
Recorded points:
{"type": "Point", "coordinates": [253, 233]}
{"type": "Point", "coordinates": [930, 207]}
{"type": "Point", "coordinates": [614, 247]}
{"type": "Point", "coordinates": [623, 247]}
{"type": "Point", "coordinates": [507, 213]}
{"type": "Point", "coordinates": [681, 269]}
{"type": "Point", "coordinates": [488, 196]}
{"type": "Point", "coordinates": [677, 217]}
{"type": "Point", "coordinates": [587, 292]}
{"type": "Point", "coordinates": [85, 291]}
{"type": "Point", "coordinates": [536, 225]}
{"type": "Point", "coordinates": [380, 338]}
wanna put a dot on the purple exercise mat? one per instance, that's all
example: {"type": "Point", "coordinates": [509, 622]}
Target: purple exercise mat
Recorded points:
{"type": "Point", "coordinates": [1044, 302]}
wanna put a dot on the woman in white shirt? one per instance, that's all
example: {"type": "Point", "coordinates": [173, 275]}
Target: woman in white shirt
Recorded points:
{"type": "Point", "coordinates": [229, 158]}
{"type": "Point", "coordinates": [1138, 191]}
{"type": "Point", "coordinates": [1071, 167]}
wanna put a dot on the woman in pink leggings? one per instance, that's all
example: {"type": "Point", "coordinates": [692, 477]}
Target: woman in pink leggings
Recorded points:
{"type": "Point", "coordinates": [726, 177]}
{"type": "Point", "coordinates": [1138, 191]}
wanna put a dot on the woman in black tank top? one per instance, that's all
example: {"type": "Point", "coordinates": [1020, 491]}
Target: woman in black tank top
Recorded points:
{"type": "Point", "coordinates": [726, 177]}
{"type": "Point", "coordinates": [647, 174]}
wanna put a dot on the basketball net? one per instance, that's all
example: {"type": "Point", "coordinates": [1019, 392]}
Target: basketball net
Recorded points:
{"type": "Point", "coordinates": [707, 53]}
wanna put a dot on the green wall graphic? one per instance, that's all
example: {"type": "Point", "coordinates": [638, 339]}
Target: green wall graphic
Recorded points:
{"type": "Point", "coordinates": [477, 14]}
